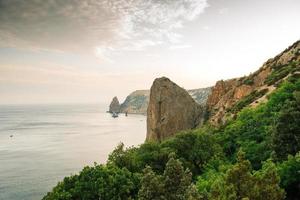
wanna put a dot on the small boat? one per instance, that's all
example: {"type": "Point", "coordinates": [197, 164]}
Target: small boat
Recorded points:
{"type": "Point", "coordinates": [115, 115]}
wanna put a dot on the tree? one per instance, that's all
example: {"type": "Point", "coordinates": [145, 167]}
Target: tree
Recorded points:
{"type": "Point", "coordinates": [151, 186]}
{"type": "Point", "coordinates": [289, 172]}
{"type": "Point", "coordinates": [267, 183]}
{"type": "Point", "coordinates": [286, 136]}
{"type": "Point", "coordinates": [174, 184]}
{"type": "Point", "coordinates": [176, 180]}
{"type": "Point", "coordinates": [240, 184]}
{"type": "Point", "coordinates": [97, 182]}
{"type": "Point", "coordinates": [192, 193]}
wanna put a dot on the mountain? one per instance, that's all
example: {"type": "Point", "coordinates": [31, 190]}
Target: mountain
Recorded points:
{"type": "Point", "coordinates": [200, 95]}
{"type": "Point", "coordinates": [230, 96]}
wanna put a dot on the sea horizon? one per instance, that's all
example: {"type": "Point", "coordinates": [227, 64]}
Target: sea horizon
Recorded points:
{"type": "Point", "coordinates": [41, 144]}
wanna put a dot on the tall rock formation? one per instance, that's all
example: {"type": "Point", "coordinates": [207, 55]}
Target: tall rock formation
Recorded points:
{"type": "Point", "coordinates": [230, 96]}
{"type": "Point", "coordinates": [114, 105]}
{"type": "Point", "coordinates": [171, 109]}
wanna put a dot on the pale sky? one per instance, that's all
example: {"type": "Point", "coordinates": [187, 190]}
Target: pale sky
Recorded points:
{"type": "Point", "coordinates": [87, 51]}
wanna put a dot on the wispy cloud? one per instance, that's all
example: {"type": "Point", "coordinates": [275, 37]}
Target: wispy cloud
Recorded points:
{"type": "Point", "coordinates": [86, 25]}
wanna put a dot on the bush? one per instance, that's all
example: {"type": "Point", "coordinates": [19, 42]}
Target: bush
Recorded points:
{"type": "Point", "coordinates": [247, 100]}
{"type": "Point", "coordinates": [281, 72]}
{"type": "Point", "coordinates": [289, 172]}
{"type": "Point", "coordinates": [98, 182]}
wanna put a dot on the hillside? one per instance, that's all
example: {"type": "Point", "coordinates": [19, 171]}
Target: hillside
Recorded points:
{"type": "Point", "coordinates": [136, 102]}
{"type": "Point", "coordinates": [230, 96]}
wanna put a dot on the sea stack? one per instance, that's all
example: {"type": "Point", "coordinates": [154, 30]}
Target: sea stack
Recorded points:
{"type": "Point", "coordinates": [171, 109]}
{"type": "Point", "coordinates": [114, 106]}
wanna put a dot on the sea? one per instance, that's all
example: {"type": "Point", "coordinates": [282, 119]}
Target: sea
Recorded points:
{"type": "Point", "coordinates": [41, 144]}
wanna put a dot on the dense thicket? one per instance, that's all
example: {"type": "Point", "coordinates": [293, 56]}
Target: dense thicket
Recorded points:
{"type": "Point", "coordinates": [253, 156]}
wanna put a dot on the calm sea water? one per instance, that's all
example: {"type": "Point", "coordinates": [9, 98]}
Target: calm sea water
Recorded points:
{"type": "Point", "coordinates": [54, 141]}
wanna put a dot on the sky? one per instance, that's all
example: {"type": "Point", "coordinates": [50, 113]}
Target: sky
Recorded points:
{"type": "Point", "coordinates": [88, 51]}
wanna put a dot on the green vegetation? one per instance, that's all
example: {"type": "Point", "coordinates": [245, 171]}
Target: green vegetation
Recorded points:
{"type": "Point", "coordinates": [279, 72]}
{"type": "Point", "coordinates": [174, 184]}
{"type": "Point", "coordinates": [97, 182]}
{"type": "Point", "coordinates": [248, 81]}
{"type": "Point", "coordinates": [240, 182]}
{"type": "Point", "coordinates": [248, 100]}
{"type": "Point", "coordinates": [253, 156]}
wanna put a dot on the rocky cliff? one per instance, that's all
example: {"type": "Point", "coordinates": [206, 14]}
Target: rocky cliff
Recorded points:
{"type": "Point", "coordinates": [137, 101]}
{"type": "Point", "coordinates": [230, 96]}
{"type": "Point", "coordinates": [171, 109]}
{"type": "Point", "coordinates": [114, 105]}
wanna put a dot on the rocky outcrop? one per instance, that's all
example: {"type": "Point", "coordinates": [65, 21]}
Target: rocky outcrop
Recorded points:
{"type": "Point", "coordinates": [171, 109]}
{"type": "Point", "coordinates": [114, 105]}
{"type": "Point", "coordinates": [228, 96]}
{"type": "Point", "coordinates": [136, 102]}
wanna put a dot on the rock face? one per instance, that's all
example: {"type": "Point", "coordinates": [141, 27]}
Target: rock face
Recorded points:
{"type": "Point", "coordinates": [171, 109]}
{"type": "Point", "coordinates": [227, 94]}
{"type": "Point", "coordinates": [114, 105]}
{"type": "Point", "coordinates": [200, 95]}
{"type": "Point", "coordinates": [136, 102]}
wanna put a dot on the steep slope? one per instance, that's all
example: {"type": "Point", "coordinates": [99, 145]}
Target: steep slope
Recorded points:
{"type": "Point", "coordinates": [171, 109]}
{"type": "Point", "coordinates": [230, 96]}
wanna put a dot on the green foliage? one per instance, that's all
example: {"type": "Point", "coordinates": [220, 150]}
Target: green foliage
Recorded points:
{"type": "Point", "coordinates": [241, 183]}
{"type": "Point", "coordinates": [176, 180]}
{"type": "Point", "coordinates": [286, 136]}
{"type": "Point", "coordinates": [249, 131]}
{"type": "Point", "coordinates": [214, 171]}
{"type": "Point", "coordinates": [248, 100]}
{"type": "Point", "coordinates": [151, 186]}
{"type": "Point", "coordinates": [193, 148]}
{"type": "Point", "coordinates": [289, 172]}
{"type": "Point", "coordinates": [248, 81]}
{"type": "Point", "coordinates": [280, 72]}
{"type": "Point", "coordinates": [253, 128]}
{"type": "Point", "coordinates": [174, 184]}
{"type": "Point", "coordinates": [98, 182]}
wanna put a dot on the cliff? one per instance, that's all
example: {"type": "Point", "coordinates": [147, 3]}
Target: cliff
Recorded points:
{"type": "Point", "coordinates": [171, 109]}
{"type": "Point", "coordinates": [114, 105]}
{"type": "Point", "coordinates": [137, 102]}
{"type": "Point", "coordinates": [230, 96]}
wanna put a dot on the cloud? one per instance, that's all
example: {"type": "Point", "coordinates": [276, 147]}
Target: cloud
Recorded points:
{"type": "Point", "coordinates": [85, 25]}
{"type": "Point", "coordinates": [223, 11]}
{"type": "Point", "coordinates": [176, 47]}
